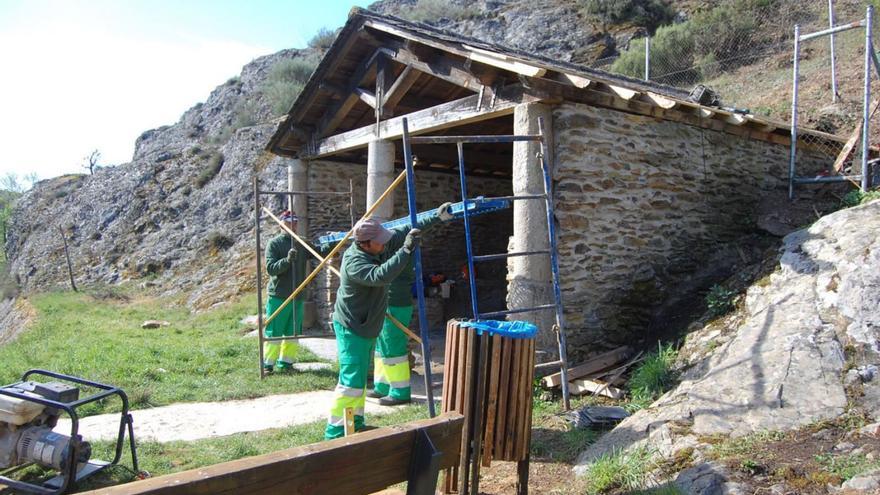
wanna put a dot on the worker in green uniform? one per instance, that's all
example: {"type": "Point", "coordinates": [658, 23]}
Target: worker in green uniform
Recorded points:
{"type": "Point", "coordinates": [286, 264]}
{"type": "Point", "coordinates": [369, 265]}
{"type": "Point", "coordinates": [391, 374]}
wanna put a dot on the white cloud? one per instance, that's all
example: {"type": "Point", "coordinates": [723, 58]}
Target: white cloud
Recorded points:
{"type": "Point", "coordinates": [70, 87]}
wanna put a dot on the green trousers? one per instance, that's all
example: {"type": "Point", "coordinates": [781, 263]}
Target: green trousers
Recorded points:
{"type": "Point", "coordinates": [354, 361]}
{"type": "Point", "coordinates": [288, 323]}
{"type": "Point", "coordinates": [391, 373]}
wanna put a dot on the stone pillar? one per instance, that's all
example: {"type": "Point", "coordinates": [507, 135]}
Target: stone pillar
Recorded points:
{"type": "Point", "coordinates": [530, 277]}
{"type": "Point", "coordinates": [380, 175]}
{"type": "Point", "coordinates": [298, 180]}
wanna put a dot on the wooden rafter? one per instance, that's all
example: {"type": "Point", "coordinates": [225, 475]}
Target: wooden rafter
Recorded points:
{"type": "Point", "coordinates": [340, 110]}
{"type": "Point", "coordinates": [444, 67]}
{"type": "Point", "coordinates": [398, 90]}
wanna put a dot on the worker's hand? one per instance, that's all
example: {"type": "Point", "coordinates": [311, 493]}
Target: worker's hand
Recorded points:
{"type": "Point", "coordinates": [291, 255]}
{"type": "Point", "coordinates": [413, 237]}
{"type": "Point", "coordinates": [444, 211]}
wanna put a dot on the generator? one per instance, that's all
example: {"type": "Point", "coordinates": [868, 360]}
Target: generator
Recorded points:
{"type": "Point", "coordinates": [29, 414]}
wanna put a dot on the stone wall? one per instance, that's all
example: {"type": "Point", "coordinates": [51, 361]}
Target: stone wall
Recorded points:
{"type": "Point", "coordinates": [641, 204]}
{"type": "Point", "coordinates": [443, 246]}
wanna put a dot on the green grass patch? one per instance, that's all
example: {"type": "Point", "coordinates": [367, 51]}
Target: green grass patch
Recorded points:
{"type": "Point", "coordinates": [846, 466]}
{"type": "Point", "coordinates": [724, 447]}
{"type": "Point", "coordinates": [653, 377]}
{"type": "Point", "coordinates": [857, 197]}
{"type": "Point", "coordinates": [199, 357]}
{"type": "Point", "coordinates": [619, 471]}
{"type": "Point", "coordinates": [719, 300]}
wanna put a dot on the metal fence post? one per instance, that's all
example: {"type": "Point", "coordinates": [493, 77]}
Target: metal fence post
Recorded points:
{"type": "Point", "coordinates": [833, 68]}
{"type": "Point", "coordinates": [867, 100]}
{"type": "Point", "coordinates": [647, 58]}
{"type": "Point", "coordinates": [794, 111]}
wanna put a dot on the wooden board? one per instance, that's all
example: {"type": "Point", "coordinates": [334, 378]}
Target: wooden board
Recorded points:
{"type": "Point", "coordinates": [345, 465]}
{"type": "Point", "coordinates": [593, 365]}
{"type": "Point", "coordinates": [585, 386]}
{"type": "Point", "coordinates": [850, 144]}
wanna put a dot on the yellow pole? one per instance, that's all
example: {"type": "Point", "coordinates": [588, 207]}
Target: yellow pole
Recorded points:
{"type": "Point", "coordinates": [400, 178]}
{"type": "Point", "coordinates": [333, 269]}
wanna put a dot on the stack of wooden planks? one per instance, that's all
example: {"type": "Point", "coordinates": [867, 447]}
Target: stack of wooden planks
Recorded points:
{"type": "Point", "coordinates": [600, 375]}
{"type": "Point", "coordinates": [497, 409]}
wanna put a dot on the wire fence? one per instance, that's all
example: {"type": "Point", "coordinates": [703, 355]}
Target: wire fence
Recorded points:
{"type": "Point", "coordinates": [747, 60]}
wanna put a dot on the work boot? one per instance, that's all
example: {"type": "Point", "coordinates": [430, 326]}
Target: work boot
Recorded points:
{"type": "Point", "coordinates": [374, 395]}
{"type": "Point", "coordinates": [391, 401]}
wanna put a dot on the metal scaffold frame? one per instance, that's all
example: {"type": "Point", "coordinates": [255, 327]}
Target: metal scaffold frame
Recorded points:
{"type": "Point", "coordinates": [863, 180]}
{"type": "Point", "coordinates": [552, 252]}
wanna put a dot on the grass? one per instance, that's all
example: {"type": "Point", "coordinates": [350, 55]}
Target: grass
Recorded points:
{"type": "Point", "coordinates": [857, 197]}
{"type": "Point", "coordinates": [846, 466]}
{"type": "Point", "coordinates": [201, 357]}
{"type": "Point", "coordinates": [620, 471]}
{"type": "Point", "coordinates": [653, 377]}
{"type": "Point", "coordinates": [553, 439]}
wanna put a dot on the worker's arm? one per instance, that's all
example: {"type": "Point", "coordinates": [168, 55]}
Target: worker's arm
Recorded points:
{"type": "Point", "coordinates": [364, 272]}
{"type": "Point", "coordinates": [440, 214]}
{"type": "Point", "coordinates": [276, 259]}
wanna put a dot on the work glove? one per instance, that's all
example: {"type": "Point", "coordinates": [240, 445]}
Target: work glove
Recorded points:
{"type": "Point", "coordinates": [444, 211]}
{"type": "Point", "coordinates": [291, 255]}
{"type": "Point", "coordinates": [413, 237]}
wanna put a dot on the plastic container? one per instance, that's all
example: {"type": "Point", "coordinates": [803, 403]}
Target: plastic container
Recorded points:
{"type": "Point", "coordinates": [512, 329]}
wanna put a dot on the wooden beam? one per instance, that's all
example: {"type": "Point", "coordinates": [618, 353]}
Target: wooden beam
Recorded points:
{"type": "Point", "coordinates": [398, 90]}
{"type": "Point", "coordinates": [442, 67]}
{"type": "Point", "coordinates": [363, 463]}
{"type": "Point", "coordinates": [735, 119]}
{"type": "Point", "coordinates": [366, 97]}
{"type": "Point", "coordinates": [576, 81]}
{"type": "Point", "coordinates": [585, 386]}
{"type": "Point", "coordinates": [505, 62]}
{"type": "Point", "coordinates": [661, 101]}
{"type": "Point", "coordinates": [625, 93]}
{"type": "Point", "coordinates": [454, 113]}
{"type": "Point", "coordinates": [335, 115]}
{"type": "Point", "coordinates": [597, 363]}
{"type": "Point", "coordinates": [850, 144]}
{"type": "Point", "coordinates": [379, 100]}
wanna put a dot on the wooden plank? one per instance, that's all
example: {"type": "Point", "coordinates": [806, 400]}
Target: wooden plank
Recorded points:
{"type": "Point", "coordinates": [593, 365]}
{"type": "Point", "coordinates": [661, 101]}
{"type": "Point", "coordinates": [401, 86]}
{"type": "Point", "coordinates": [505, 62]}
{"type": "Point", "coordinates": [512, 399]}
{"type": "Point", "coordinates": [467, 429]}
{"type": "Point", "coordinates": [625, 93]}
{"type": "Point", "coordinates": [366, 96]}
{"type": "Point", "coordinates": [492, 406]}
{"type": "Point", "coordinates": [501, 422]}
{"type": "Point", "coordinates": [583, 386]}
{"type": "Point", "coordinates": [444, 67]}
{"type": "Point", "coordinates": [454, 113]}
{"type": "Point", "coordinates": [344, 465]}
{"type": "Point", "coordinates": [850, 144]}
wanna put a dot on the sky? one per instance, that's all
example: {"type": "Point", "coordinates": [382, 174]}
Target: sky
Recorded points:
{"type": "Point", "coordinates": [80, 75]}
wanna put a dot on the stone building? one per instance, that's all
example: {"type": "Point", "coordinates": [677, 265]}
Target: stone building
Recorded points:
{"type": "Point", "coordinates": [647, 183]}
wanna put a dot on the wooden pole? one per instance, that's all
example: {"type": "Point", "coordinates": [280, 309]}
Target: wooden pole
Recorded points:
{"type": "Point", "coordinates": [69, 264]}
{"type": "Point", "coordinates": [400, 178]}
{"type": "Point", "coordinates": [259, 258]}
{"type": "Point", "coordinates": [333, 269]}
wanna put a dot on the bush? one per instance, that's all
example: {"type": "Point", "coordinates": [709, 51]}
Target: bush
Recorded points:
{"type": "Point", "coordinates": [646, 13]}
{"type": "Point", "coordinates": [672, 52]}
{"type": "Point", "coordinates": [719, 300]}
{"type": "Point", "coordinates": [619, 471]}
{"type": "Point", "coordinates": [653, 377]}
{"type": "Point", "coordinates": [285, 81]}
{"type": "Point", "coordinates": [432, 10]}
{"type": "Point", "coordinates": [857, 197]}
{"type": "Point", "coordinates": [219, 241]}
{"type": "Point", "coordinates": [212, 168]}
{"type": "Point", "coordinates": [322, 39]}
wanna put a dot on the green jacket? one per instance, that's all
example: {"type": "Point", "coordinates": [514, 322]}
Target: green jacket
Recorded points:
{"type": "Point", "coordinates": [282, 279]}
{"type": "Point", "coordinates": [362, 298]}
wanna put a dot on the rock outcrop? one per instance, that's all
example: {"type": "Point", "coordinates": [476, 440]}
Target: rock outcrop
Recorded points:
{"type": "Point", "coordinates": [780, 364]}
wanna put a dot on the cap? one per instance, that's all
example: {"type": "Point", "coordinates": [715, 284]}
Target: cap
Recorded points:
{"type": "Point", "coordinates": [371, 230]}
{"type": "Point", "coordinates": [288, 216]}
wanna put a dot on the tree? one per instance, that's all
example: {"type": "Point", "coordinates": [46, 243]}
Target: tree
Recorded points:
{"type": "Point", "coordinates": [11, 182]}
{"type": "Point", "coordinates": [90, 162]}
{"type": "Point", "coordinates": [31, 179]}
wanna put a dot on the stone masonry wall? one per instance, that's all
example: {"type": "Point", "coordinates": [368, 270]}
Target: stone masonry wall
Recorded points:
{"type": "Point", "coordinates": [443, 246]}
{"type": "Point", "coordinates": [641, 203]}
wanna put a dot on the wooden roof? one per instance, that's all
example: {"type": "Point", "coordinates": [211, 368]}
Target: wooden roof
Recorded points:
{"type": "Point", "coordinates": [381, 67]}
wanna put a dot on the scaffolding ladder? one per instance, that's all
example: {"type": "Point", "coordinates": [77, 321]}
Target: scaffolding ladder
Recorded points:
{"type": "Point", "coordinates": [546, 197]}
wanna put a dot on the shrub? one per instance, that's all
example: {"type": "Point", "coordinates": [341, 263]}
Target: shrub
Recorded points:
{"type": "Point", "coordinates": [719, 300]}
{"type": "Point", "coordinates": [212, 168]}
{"type": "Point", "coordinates": [285, 81]}
{"type": "Point", "coordinates": [219, 241]}
{"type": "Point", "coordinates": [672, 53]}
{"type": "Point", "coordinates": [653, 377]}
{"type": "Point", "coordinates": [646, 13]}
{"type": "Point", "coordinates": [322, 39]}
{"type": "Point", "coordinates": [857, 197]}
{"type": "Point", "coordinates": [619, 471]}
{"type": "Point", "coordinates": [432, 10]}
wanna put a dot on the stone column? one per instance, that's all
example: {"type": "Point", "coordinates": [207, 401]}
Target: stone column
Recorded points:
{"type": "Point", "coordinates": [380, 175]}
{"type": "Point", "coordinates": [530, 277]}
{"type": "Point", "coordinates": [298, 180]}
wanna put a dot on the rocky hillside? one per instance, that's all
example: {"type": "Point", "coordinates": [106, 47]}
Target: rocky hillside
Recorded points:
{"type": "Point", "coordinates": [801, 352]}
{"type": "Point", "coordinates": [180, 213]}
